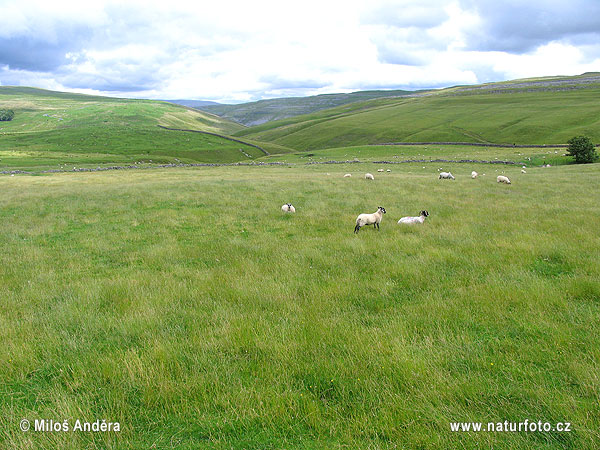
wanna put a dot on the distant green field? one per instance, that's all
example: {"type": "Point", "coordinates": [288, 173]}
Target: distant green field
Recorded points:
{"type": "Point", "coordinates": [53, 129]}
{"type": "Point", "coordinates": [395, 153]}
{"type": "Point", "coordinates": [186, 306]}
{"type": "Point", "coordinates": [513, 116]}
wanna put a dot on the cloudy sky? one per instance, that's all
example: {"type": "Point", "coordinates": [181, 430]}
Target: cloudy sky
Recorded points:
{"type": "Point", "coordinates": [237, 51]}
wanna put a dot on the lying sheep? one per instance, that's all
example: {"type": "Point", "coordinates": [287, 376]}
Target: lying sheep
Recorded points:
{"type": "Point", "coordinates": [474, 174]}
{"type": "Point", "coordinates": [502, 179]}
{"type": "Point", "coordinates": [347, 175]}
{"type": "Point", "coordinates": [370, 219]}
{"type": "Point", "coordinates": [288, 208]}
{"type": "Point", "coordinates": [369, 176]}
{"type": "Point", "coordinates": [379, 170]}
{"type": "Point", "coordinates": [413, 220]}
{"type": "Point", "coordinates": [523, 171]}
{"type": "Point", "coordinates": [446, 176]}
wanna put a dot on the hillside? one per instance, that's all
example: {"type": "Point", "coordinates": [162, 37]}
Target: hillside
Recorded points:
{"type": "Point", "coordinates": [533, 111]}
{"type": "Point", "coordinates": [58, 129]}
{"type": "Point", "coordinates": [256, 113]}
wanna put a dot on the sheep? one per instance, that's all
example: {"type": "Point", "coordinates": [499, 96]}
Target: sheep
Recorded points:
{"type": "Point", "coordinates": [288, 208]}
{"type": "Point", "coordinates": [389, 170]}
{"type": "Point", "coordinates": [369, 176]}
{"type": "Point", "coordinates": [379, 170]}
{"type": "Point", "coordinates": [413, 220]}
{"type": "Point", "coordinates": [446, 176]}
{"type": "Point", "coordinates": [474, 174]}
{"type": "Point", "coordinates": [347, 175]}
{"type": "Point", "coordinates": [523, 171]}
{"type": "Point", "coordinates": [370, 219]}
{"type": "Point", "coordinates": [502, 179]}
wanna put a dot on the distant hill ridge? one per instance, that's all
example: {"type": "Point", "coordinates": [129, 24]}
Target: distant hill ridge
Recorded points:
{"type": "Point", "coordinates": [262, 111]}
{"type": "Point", "coordinates": [548, 110]}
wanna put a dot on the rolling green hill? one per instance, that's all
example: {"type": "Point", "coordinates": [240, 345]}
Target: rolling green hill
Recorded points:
{"type": "Point", "coordinates": [256, 113]}
{"type": "Point", "coordinates": [58, 129]}
{"type": "Point", "coordinates": [533, 111]}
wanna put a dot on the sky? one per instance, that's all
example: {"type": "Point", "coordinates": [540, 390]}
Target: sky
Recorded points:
{"type": "Point", "coordinates": [239, 51]}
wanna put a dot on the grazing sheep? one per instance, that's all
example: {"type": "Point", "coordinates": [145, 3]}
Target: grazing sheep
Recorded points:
{"type": "Point", "coordinates": [369, 176]}
{"type": "Point", "coordinates": [370, 219]}
{"type": "Point", "coordinates": [413, 220]}
{"type": "Point", "coordinates": [379, 170]}
{"type": "Point", "coordinates": [502, 179]}
{"type": "Point", "coordinates": [446, 176]}
{"type": "Point", "coordinates": [523, 171]}
{"type": "Point", "coordinates": [389, 170]}
{"type": "Point", "coordinates": [474, 174]}
{"type": "Point", "coordinates": [288, 208]}
{"type": "Point", "coordinates": [347, 175]}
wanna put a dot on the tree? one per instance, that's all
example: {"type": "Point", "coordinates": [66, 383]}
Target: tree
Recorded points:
{"type": "Point", "coordinates": [582, 149]}
{"type": "Point", "coordinates": [6, 115]}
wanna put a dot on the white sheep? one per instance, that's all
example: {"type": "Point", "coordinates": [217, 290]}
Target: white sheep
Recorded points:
{"type": "Point", "coordinates": [379, 170]}
{"type": "Point", "coordinates": [369, 176]}
{"type": "Point", "coordinates": [288, 208]}
{"type": "Point", "coordinates": [446, 176]}
{"type": "Point", "coordinates": [389, 170]}
{"type": "Point", "coordinates": [347, 175]}
{"type": "Point", "coordinates": [413, 220]}
{"type": "Point", "coordinates": [370, 219]}
{"type": "Point", "coordinates": [502, 179]}
{"type": "Point", "coordinates": [474, 174]}
{"type": "Point", "coordinates": [523, 171]}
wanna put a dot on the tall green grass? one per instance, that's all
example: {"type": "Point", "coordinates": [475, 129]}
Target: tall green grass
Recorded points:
{"type": "Point", "coordinates": [183, 304]}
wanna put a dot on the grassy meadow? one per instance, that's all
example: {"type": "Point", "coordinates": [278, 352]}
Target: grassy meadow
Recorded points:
{"type": "Point", "coordinates": [55, 130]}
{"type": "Point", "coordinates": [507, 117]}
{"type": "Point", "coordinates": [185, 305]}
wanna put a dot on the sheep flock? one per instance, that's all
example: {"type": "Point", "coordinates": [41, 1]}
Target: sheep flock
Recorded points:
{"type": "Point", "coordinates": [376, 217]}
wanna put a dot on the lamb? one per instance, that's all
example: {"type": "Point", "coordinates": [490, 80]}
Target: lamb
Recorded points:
{"type": "Point", "coordinates": [369, 176]}
{"type": "Point", "coordinates": [474, 174]}
{"type": "Point", "coordinates": [446, 176]}
{"type": "Point", "coordinates": [370, 219]}
{"type": "Point", "coordinates": [288, 208]}
{"type": "Point", "coordinates": [413, 220]}
{"type": "Point", "coordinates": [502, 179]}
{"type": "Point", "coordinates": [347, 175]}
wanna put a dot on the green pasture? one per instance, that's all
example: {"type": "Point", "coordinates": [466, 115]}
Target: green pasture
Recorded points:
{"type": "Point", "coordinates": [53, 130]}
{"type": "Point", "coordinates": [183, 304]}
{"type": "Point", "coordinates": [535, 156]}
{"type": "Point", "coordinates": [521, 117]}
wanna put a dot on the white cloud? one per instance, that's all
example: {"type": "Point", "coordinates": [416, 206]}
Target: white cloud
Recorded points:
{"type": "Point", "coordinates": [240, 51]}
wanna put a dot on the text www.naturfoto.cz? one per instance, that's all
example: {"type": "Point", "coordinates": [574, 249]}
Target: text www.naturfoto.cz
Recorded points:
{"type": "Point", "coordinates": [512, 427]}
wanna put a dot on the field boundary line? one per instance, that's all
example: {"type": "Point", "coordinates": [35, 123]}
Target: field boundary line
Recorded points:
{"type": "Point", "coordinates": [218, 135]}
{"type": "Point", "coordinates": [477, 144]}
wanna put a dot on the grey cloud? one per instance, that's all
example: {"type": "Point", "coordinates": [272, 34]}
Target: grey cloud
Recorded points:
{"type": "Point", "coordinates": [30, 52]}
{"type": "Point", "coordinates": [109, 84]}
{"type": "Point", "coordinates": [520, 27]}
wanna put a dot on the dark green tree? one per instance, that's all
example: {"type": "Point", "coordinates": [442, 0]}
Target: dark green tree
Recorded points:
{"type": "Point", "coordinates": [582, 149]}
{"type": "Point", "coordinates": [6, 115]}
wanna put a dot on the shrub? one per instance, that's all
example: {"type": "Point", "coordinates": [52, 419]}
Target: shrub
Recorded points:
{"type": "Point", "coordinates": [582, 149]}
{"type": "Point", "coordinates": [6, 115]}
